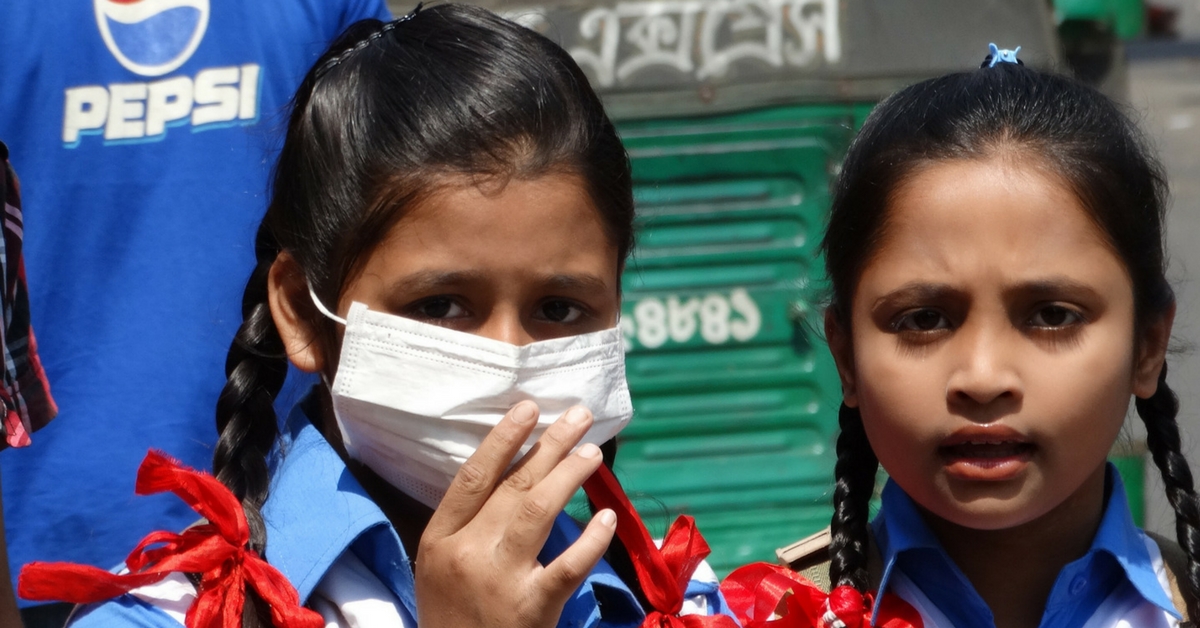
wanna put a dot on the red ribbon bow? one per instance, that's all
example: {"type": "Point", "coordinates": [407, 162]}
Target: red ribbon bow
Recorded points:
{"type": "Point", "coordinates": [216, 550]}
{"type": "Point", "coordinates": [663, 573]}
{"type": "Point", "coordinates": [756, 592]}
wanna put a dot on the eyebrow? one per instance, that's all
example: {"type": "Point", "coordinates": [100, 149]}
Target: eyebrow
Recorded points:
{"type": "Point", "coordinates": [1042, 289]}
{"type": "Point", "coordinates": [1052, 288]}
{"type": "Point", "coordinates": [576, 283]}
{"type": "Point", "coordinates": [433, 280]}
{"type": "Point", "coordinates": [918, 292]}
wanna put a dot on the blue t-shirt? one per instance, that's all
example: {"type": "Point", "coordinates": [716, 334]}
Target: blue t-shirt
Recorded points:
{"type": "Point", "coordinates": [317, 511]}
{"type": "Point", "coordinates": [144, 132]}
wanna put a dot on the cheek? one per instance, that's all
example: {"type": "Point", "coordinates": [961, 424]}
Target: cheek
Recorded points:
{"type": "Point", "coordinates": [1079, 404]}
{"type": "Point", "coordinates": [902, 403]}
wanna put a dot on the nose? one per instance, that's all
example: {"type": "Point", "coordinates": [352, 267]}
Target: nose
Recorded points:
{"type": "Point", "coordinates": [985, 372]}
{"type": "Point", "coordinates": [506, 325]}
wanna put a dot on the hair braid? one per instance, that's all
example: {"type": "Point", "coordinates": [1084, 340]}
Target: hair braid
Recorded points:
{"type": "Point", "coordinates": [255, 370]}
{"type": "Point", "coordinates": [1162, 437]}
{"type": "Point", "coordinates": [854, 477]}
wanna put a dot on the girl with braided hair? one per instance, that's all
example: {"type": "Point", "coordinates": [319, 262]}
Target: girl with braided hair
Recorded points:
{"type": "Point", "coordinates": [450, 216]}
{"type": "Point", "coordinates": [995, 252]}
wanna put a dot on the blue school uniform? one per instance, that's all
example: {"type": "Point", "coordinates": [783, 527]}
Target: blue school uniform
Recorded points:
{"type": "Point", "coordinates": [319, 519]}
{"type": "Point", "coordinates": [1121, 578]}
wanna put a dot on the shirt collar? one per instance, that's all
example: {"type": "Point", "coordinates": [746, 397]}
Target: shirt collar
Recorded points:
{"type": "Point", "coordinates": [1121, 539]}
{"type": "Point", "coordinates": [309, 477]}
{"type": "Point", "coordinates": [899, 529]}
{"type": "Point", "coordinates": [900, 532]}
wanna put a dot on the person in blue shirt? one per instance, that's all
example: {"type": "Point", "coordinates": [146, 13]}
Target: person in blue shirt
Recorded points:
{"type": "Point", "coordinates": [995, 249]}
{"type": "Point", "coordinates": [450, 216]}
{"type": "Point", "coordinates": [143, 131]}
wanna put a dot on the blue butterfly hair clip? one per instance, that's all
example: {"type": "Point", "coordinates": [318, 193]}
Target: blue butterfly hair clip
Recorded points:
{"type": "Point", "coordinates": [996, 55]}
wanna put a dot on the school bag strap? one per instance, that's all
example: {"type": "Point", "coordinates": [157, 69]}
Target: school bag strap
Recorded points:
{"type": "Point", "coordinates": [1175, 560]}
{"type": "Point", "coordinates": [810, 558]}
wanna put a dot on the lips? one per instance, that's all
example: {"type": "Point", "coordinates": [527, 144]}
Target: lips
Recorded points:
{"type": "Point", "coordinates": [986, 453]}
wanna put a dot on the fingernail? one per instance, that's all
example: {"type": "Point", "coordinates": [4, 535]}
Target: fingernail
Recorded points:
{"type": "Point", "coordinates": [575, 416]}
{"type": "Point", "coordinates": [588, 450]}
{"type": "Point", "coordinates": [607, 517]}
{"type": "Point", "coordinates": [524, 413]}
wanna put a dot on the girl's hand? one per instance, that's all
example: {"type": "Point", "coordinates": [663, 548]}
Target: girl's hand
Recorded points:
{"type": "Point", "coordinates": [477, 563]}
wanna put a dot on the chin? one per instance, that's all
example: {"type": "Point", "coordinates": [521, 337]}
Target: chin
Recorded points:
{"type": "Point", "coordinates": [990, 513]}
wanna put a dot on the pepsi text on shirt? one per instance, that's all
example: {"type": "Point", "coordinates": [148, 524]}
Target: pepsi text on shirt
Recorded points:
{"type": "Point", "coordinates": [151, 38]}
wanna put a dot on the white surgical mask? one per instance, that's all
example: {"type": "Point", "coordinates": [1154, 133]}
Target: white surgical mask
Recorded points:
{"type": "Point", "coordinates": [413, 401]}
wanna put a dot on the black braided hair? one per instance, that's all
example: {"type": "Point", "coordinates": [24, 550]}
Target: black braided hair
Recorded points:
{"type": "Point", "coordinates": [1162, 437]}
{"type": "Point", "coordinates": [255, 370]}
{"type": "Point", "coordinates": [246, 424]}
{"type": "Point", "coordinates": [854, 476]}
{"type": "Point", "coordinates": [1059, 124]}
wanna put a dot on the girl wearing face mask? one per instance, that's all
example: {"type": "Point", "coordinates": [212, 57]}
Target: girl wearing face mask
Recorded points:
{"type": "Point", "coordinates": [995, 250]}
{"type": "Point", "coordinates": [450, 217]}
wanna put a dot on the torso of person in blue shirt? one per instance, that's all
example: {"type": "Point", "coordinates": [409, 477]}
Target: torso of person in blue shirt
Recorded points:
{"type": "Point", "coordinates": [1120, 577]}
{"type": "Point", "coordinates": [144, 134]}
{"type": "Point", "coordinates": [317, 513]}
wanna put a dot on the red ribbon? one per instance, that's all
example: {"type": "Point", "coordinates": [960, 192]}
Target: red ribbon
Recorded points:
{"type": "Point", "coordinates": [769, 596]}
{"type": "Point", "coordinates": [663, 573]}
{"type": "Point", "coordinates": [217, 550]}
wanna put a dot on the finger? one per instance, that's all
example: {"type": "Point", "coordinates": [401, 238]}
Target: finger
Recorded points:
{"type": "Point", "coordinates": [477, 478]}
{"type": "Point", "coordinates": [563, 576]}
{"type": "Point", "coordinates": [551, 448]}
{"type": "Point", "coordinates": [533, 518]}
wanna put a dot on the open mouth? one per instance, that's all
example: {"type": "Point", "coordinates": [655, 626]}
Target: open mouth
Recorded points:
{"type": "Point", "coordinates": [987, 451]}
{"type": "Point", "coordinates": [990, 458]}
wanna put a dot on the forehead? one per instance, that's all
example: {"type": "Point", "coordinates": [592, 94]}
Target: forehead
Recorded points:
{"type": "Point", "coordinates": [548, 224]}
{"type": "Point", "coordinates": [992, 218]}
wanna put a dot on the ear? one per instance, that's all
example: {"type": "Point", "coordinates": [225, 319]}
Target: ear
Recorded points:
{"type": "Point", "coordinates": [1152, 353]}
{"type": "Point", "coordinates": [287, 294]}
{"type": "Point", "coordinates": [843, 355]}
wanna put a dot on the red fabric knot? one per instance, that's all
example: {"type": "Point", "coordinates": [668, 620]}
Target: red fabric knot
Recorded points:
{"type": "Point", "coordinates": [763, 595]}
{"type": "Point", "coordinates": [663, 573]}
{"type": "Point", "coordinates": [217, 550]}
{"type": "Point", "coordinates": [850, 606]}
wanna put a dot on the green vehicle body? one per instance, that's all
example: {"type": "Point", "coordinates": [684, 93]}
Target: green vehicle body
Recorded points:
{"type": "Point", "coordinates": [1125, 18]}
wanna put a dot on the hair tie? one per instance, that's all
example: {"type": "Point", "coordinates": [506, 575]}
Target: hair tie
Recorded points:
{"type": "Point", "coordinates": [996, 55]}
{"type": "Point", "coordinates": [336, 59]}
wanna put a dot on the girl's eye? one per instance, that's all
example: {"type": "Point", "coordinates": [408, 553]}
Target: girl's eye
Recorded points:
{"type": "Point", "coordinates": [438, 308]}
{"type": "Point", "coordinates": [922, 320]}
{"type": "Point", "coordinates": [1053, 316]}
{"type": "Point", "coordinates": [560, 311]}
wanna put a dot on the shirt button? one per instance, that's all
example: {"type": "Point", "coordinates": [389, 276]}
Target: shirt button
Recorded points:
{"type": "Point", "coordinates": [1077, 585]}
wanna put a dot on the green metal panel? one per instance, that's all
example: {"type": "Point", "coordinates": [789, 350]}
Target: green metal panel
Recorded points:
{"type": "Point", "coordinates": [1126, 18]}
{"type": "Point", "coordinates": [735, 394]}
